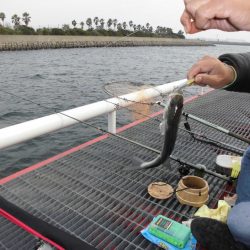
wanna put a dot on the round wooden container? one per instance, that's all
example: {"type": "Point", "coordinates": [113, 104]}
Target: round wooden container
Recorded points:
{"type": "Point", "coordinates": [195, 191]}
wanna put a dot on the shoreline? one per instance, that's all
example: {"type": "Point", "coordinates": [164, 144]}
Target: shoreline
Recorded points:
{"type": "Point", "coordinates": [35, 42]}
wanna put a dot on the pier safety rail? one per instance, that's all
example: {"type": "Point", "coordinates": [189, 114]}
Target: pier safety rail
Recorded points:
{"type": "Point", "coordinates": [21, 132]}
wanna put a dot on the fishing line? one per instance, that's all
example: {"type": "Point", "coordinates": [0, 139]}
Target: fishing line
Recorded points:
{"type": "Point", "coordinates": [197, 167]}
{"type": "Point", "coordinates": [111, 94]}
{"type": "Point", "coordinates": [82, 122]}
{"type": "Point", "coordinates": [116, 89]}
{"type": "Point", "coordinates": [134, 111]}
{"type": "Point", "coordinates": [108, 88]}
{"type": "Point", "coordinates": [196, 136]}
{"type": "Point", "coordinates": [217, 127]}
{"type": "Point", "coordinates": [208, 140]}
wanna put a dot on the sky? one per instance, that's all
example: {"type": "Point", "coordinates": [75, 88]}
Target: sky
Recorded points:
{"type": "Point", "coordinates": [55, 13]}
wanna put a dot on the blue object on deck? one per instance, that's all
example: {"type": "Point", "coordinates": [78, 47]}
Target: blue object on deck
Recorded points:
{"type": "Point", "coordinates": [87, 184]}
{"type": "Point", "coordinates": [169, 230]}
{"type": "Point", "coordinates": [191, 244]}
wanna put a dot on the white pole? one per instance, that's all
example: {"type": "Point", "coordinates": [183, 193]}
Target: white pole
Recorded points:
{"type": "Point", "coordinates": [31, 129]}
{"type": "Point", "coordinates": [112, 122]}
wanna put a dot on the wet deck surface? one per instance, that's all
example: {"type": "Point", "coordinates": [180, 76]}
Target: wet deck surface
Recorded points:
{"type": "Point", "coordinates": [88, 194]}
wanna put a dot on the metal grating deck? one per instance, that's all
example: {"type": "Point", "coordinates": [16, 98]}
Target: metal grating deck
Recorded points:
{"type": "Point", "coordinates": [22, 240]}
{"type": "Point", "coordinates": [87, 194]}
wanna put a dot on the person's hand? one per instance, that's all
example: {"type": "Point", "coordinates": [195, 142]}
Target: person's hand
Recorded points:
{"type": "Point", "coordinates": [211, 71]}
{"type": "Point", "coordinates": [226, 15]}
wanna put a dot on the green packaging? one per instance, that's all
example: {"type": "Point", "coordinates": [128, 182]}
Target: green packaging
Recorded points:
{"type": "Point", "coordinates": [169, 230]}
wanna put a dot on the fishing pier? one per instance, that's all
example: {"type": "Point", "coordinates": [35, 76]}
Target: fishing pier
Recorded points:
{"type": "Point", "coordinates": [86, 192]}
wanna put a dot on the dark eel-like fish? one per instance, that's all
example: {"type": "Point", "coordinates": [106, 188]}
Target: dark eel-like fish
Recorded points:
{"type": "Point", "coordinates": [169, 127]}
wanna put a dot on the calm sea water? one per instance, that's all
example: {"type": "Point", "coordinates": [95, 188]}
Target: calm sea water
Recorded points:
{"type": "Point", "coordinates": [68, 78]}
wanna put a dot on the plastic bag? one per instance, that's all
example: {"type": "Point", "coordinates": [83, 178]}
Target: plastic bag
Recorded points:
{"type": "Point", "coordinates": [220, 213]}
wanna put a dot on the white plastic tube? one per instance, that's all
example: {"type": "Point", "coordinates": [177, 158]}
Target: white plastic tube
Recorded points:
{"type": "Point", "coordinates": [31, 129]}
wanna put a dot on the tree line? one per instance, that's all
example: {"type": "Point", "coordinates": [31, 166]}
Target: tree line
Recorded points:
{"type": "Point", "coordinates": [91, 26]}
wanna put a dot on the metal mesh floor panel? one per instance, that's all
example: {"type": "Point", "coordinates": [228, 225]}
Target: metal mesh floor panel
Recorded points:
{"type": "Point", "coordinates": [22, 239]}
{"type": "Point", "coordinates": [89, 195]}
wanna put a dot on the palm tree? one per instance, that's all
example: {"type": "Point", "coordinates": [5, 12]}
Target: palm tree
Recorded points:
{"type": "Point", "coordinates": [115, 23]}
{"type": "Point", "coordinates": [2, 17]}
{"type": "Point", "coordinates": [82, 24]}
{"type": "Point", "coordinates": [124, 25]}
{"type": "Point", "coordinates": [119, 26]}
{"type": "Point", "coordinates": [16, 20]}
{"type": "Point", "coordinates": [131, 24]}
{"type": "Point", "coordinates": [89, 23]}
{"type": "Point", "coordinates": [96, 21]}
{"type": "Point", "coordinates": [109, 22]}
{"type": "Point", "coordinates": [102, 22]}
{"type": "Point", "coordinates": [139, 27]}
{"type": "Point", "coordinates": [74, 23]}
{"type": "Point", "coordinates": [65, 27]}
{"type": "Point", "coordinates": [180, 33]}
{"type": "Point", "coordinates": [158, 29]}
{"type": "Point", "coordinates": [169, 31]}
{"type": "Point", "coordinates": [135, 27]}
{"type": "Point", "coordinates": [147, 26]}
{"type": "Point", "coordinates": [26, 18]}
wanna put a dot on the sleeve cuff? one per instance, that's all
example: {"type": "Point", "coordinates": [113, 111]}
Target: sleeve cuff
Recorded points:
{"type": "Point", "coordinates": [235, 76]}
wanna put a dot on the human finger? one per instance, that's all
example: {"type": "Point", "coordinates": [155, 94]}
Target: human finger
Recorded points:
{"type": "Point", "coordinates": [201, 66]}
{"type": "Point", "coordinates": [193, 29]}
{"type": "Point", "coordinates": [212, 15]}
{"type": "Point", "coordinates": [206, 79]}
{"type": "Point", "coordinates": [222, 24]}
{"type": "Point", "coordinates": [193, 71]}
{"type": "Point", "coordinates": [188, 17]}
{"type": "Point", "coordinates": [186, 21]}
{"type": "Point", "coordinates": [203, 17]}
{"type": "Point", "coordinates": [187, 2]}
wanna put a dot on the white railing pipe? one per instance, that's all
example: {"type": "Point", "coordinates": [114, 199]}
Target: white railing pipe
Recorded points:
{"type": "Point", "coordinates": [31, 129]}
{"type": "Point", "coordinates": [112, 122]}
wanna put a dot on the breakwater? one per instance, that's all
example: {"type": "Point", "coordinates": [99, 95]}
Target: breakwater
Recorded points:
{"type": "Point", "coordinates": [12, 43]}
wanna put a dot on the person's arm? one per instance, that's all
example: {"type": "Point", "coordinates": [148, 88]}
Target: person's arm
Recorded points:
{"type": "Point", "coordinates": [229, 71]}
{"type": "Point", "coordinates": [241, 64]}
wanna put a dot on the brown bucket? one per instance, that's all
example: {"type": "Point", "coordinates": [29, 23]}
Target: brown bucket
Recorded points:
{"type": "Point", "coordinates": [195, 191]}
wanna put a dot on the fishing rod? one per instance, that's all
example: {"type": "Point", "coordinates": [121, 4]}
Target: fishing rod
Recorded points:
{"type": "Point", "coordinates": [217, 127]}
{"type": "Point", "coordinates": [197, 136]}
{"type": "Point", "coordinates": [206, 139]}
{"type": "Point", "coordinates": [201, 169]}
{"type": "Point", "coordinates": [198, 167]}
{"type": "Point", "coordinates": [211, 141]}
{"type": "Point", "coordinates": [204, 169]}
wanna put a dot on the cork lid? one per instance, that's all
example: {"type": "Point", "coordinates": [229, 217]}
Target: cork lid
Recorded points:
{"type": "Point", "coordinates": [160, 190]}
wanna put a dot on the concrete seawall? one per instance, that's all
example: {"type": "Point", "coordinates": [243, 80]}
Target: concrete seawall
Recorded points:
{"type": "Point", "coordinates": [11, 43]}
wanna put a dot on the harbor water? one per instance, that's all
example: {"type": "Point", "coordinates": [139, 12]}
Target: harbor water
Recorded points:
{"type": "Point", "coordinates": [67, 78]}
